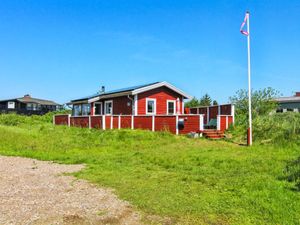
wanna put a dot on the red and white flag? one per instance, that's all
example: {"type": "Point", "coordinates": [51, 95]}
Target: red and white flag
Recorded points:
{"type": "Point", "coordinates": [245, 32]}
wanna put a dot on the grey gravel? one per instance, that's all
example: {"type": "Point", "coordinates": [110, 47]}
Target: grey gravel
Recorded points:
{"type": "Point", "coordinates": [37, 192]}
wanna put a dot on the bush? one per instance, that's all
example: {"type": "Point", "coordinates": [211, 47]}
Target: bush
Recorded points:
{"type": "Point", "coordinates": [12, 119]}
{"type": "Point", "coordinates": [279, 128]}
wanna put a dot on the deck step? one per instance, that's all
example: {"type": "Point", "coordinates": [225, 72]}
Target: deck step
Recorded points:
{"type": "Point", "coordinates": [213, 134]}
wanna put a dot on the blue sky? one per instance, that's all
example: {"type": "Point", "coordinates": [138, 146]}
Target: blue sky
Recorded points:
{"type": "Point", "coordinates": [64, 49]}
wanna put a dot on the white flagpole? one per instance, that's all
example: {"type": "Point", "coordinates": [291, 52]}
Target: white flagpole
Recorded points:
{"type": "Point", "coordinates": [249, 81]}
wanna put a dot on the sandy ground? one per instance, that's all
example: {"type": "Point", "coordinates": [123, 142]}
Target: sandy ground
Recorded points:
{"type": "Point", "coordinates": [36, 192]}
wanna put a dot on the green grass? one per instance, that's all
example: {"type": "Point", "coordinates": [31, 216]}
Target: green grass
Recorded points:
{"type": "Point", "coordinates": [192, 181]}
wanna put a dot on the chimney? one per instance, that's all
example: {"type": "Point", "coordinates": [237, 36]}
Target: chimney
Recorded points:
{"type": "Point", "coordinates": [297, 94]}
{"type": "Point", "coordinates": [102, 90]}
{"type": "Point", "coordinates": [27, 96]}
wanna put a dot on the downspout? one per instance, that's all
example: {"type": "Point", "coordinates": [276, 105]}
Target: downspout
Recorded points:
{"type": "Point", "coordinates": [132, 104]}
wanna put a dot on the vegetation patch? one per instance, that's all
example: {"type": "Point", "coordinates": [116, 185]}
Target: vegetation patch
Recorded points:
{"type": "Point", "coordinates": [190, 181]}
{"type": "Point", "coordinates": [293, 173]}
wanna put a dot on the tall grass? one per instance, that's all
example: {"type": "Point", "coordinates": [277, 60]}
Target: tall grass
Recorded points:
{"type": "Point", "coordinates": [277, 128]}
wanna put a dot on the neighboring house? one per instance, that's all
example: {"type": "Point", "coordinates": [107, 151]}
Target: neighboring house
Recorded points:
{"type": "Point", "coordinates": [289, 103]}
{"type": "Point", "coordinates": [28, 105]}
{"type": "Point", "coordinates": [159, 98]}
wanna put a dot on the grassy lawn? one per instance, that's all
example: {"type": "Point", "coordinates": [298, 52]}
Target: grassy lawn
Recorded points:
{"type": "Point", "coordinates": [191, 181]}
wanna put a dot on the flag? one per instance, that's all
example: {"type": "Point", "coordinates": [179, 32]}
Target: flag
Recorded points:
{"type": "Point", "coordinates": [244, 32]}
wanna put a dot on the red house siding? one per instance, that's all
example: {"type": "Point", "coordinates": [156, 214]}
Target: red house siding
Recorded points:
{"type": "Point", "coordinates": [213, 112]}
{"type": "Point", "coordinates": [143, 122]}
{"type": "Point", "coordinates": [165, 123]}
{"type": "Point", "coordinates": [225, 109]}
{"type": "Point", "coordinates": [126, 122]}
{"type": "Point", "coordinates": [191, 124]}
{"type": "Point", "coordinates": [61, 119]}
{"type": "Point", "coordinates": [80, 121]}
{"type": "Point", "coordinates": [121, 106]}
{"type": "Point", "coordinates": [161, 95]}
{"type": "Point", "coordinates": [116, 122]}
{"type": "Point", "coordinates": [223, 123]}
{"type": "Point", "coordinates": [107, 122]}
{"type": "Point", "coordinates": [96, 122]}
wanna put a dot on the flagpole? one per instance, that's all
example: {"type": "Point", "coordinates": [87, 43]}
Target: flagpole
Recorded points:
{"type": "Point", "coordinates": [249, 82]}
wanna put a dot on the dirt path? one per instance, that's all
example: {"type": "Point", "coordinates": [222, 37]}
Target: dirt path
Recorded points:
{"type": "Point", "coordinates": [36, 192]}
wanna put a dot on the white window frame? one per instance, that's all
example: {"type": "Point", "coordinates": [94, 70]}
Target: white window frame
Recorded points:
{"type": "Point", "coordinates": [112, 107]}
{"type": "Point", "coordinates": [174, 102]}
{"type": "Point", "coordinates": [101, 108]}
{"type": "Point", "coordinates": [11, 105]}
{"type": "Point", "coordinates": [154, 111]}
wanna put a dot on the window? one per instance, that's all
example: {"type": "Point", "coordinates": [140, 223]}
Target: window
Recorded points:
{"type": "Point", "coordinates": [81, 110]}
{"type": "Point", "coordinates": [30, 106]}
{"type": "Point", "coordinates": [98, 108]}
{"type": "Point", "coordinates": [34, 107]}
{"type": "Point", "coordinates": [108, 107]}
{"type": "Point", "coordinates": [171, 107]}
{"type": "Point", "coordinates": [150, 106]}
{"type": "Point", "coordinates": [86, 109]}
{"type": "Point", "coordinates": [76, 110]}
{"type": "Point", "coordinates": [11, 105]}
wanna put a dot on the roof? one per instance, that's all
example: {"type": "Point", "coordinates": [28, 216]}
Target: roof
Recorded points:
{"type": "Point", "coordinates": [29, 99]}
{"type": "Point", "coordinates": [288, 99]}
{"type": "Point", "coordinates": [129, 91]}
{"type": "Point", "coordinates": [113, 92]}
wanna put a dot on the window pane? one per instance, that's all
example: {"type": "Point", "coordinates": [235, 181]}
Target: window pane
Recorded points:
{"type": "Point", "coordinates": [29, 106]}
{"type": "Point", "coordinates": [86, 109]}
{"type": "Point", "coordinates": [171, 108]}
{"type": "Point", "coordinates": [150, 106]}
{"type": "Point", "coordinates": [98, 109]}
{"type": "Point", "coordinates": [108, 108]}
{"type": "Point", "coordinates": [77, 110]}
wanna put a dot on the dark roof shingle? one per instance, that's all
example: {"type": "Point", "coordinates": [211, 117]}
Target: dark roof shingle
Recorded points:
{"type": "Point", "coordinates": [29, 99]}
{"type": "Point", "coordinates": [114, 91]}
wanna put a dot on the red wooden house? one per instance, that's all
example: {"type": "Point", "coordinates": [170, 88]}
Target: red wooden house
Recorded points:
{"type": "Point", "coordinates": [157, 106]}
{"type": "Point", "coordinates": [159, 98]}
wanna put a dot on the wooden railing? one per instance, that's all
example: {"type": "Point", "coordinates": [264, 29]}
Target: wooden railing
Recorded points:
{"type": "Point", "coordinates": [224, 121]}
{"type": "Point", "coordinates": [212, 112]}
{"type": "Point", "coordinates": [176, 124]}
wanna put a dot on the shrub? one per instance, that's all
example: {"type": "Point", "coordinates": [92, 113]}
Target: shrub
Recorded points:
{"type": "Point", "coordinates": [12, 119]}
{"type": "Point", "coordinates": [279, 128]}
